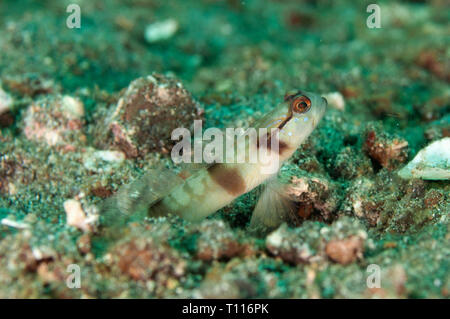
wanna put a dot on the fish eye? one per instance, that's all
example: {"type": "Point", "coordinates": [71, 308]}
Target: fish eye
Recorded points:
{"type": "Point", "coordinates": [301, 104]}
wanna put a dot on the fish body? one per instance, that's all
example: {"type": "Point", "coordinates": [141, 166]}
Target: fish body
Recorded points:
{"type": "Point", "coordinates": [214, 187]}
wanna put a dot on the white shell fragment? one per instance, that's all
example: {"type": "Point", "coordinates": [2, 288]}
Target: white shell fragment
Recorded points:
{"type": "Point", "coordinates": [161, 30]}
{"type": "Point", "coordinates": [431, 163]}
{"type": "Point", "coordinates": [14, 224]}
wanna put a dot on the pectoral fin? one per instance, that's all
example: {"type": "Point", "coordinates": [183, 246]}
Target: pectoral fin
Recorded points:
{"type": "Point", "coordinates": [273, 208]}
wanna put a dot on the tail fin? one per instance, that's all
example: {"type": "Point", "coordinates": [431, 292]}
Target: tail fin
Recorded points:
{"type": "Point", "coordinates": [132, 201]}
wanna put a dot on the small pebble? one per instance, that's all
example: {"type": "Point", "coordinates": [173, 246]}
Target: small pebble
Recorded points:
{"type": "Point", "coordinates": [335, 100]}
{"type": "Point", "coordinates": [161, 30]}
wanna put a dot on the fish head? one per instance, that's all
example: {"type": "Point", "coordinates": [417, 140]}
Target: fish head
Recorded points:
{"type": "Point", "coordinates": [303, 112]}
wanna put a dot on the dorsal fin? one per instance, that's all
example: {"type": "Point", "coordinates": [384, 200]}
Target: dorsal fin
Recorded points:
{"type": "Point", "coordinates": [272, 119]}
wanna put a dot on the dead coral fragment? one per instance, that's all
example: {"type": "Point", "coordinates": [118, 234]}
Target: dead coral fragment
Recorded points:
{"type": "Point", "coordinates": [345, 251]}
{"type": "Point", "coordinates": [147, 113]}
{"type": "Point", "coordinates": [313, 193]}
{"type": "Point", "coordinates": [55, 120]}
{"type": "Point", "coordinates": [386, 151]}
{"type": "Point", "coordinates": [143, 260]}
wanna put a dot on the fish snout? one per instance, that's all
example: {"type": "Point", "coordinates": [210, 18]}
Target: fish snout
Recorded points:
{"type": "Point", "coordinates": [322, 104]}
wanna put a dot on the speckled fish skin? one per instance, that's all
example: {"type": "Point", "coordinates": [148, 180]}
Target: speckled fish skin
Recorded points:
{"type": "Point", "coordinates": [215, 187]}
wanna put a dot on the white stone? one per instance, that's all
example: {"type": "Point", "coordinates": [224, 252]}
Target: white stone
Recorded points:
{"type": "Point", "coordinates": [97, 161]}
{"type": "Point", "coordinates": [6, 101]}
{"type": "Point", "coordinates": [275, 239]}
{"type": "Point", "coordinates": [335, 100]}
{"type": "Point", "coordinates": [161, 30]}
{"type": "Point", "coordinates": [73, 106]}
{"type": "Point", "coordinates": [75, 215]}
{"type": "Point", "coordinates": [110, 156]}
{"type": "Point", "coordinates": [431, 163]}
